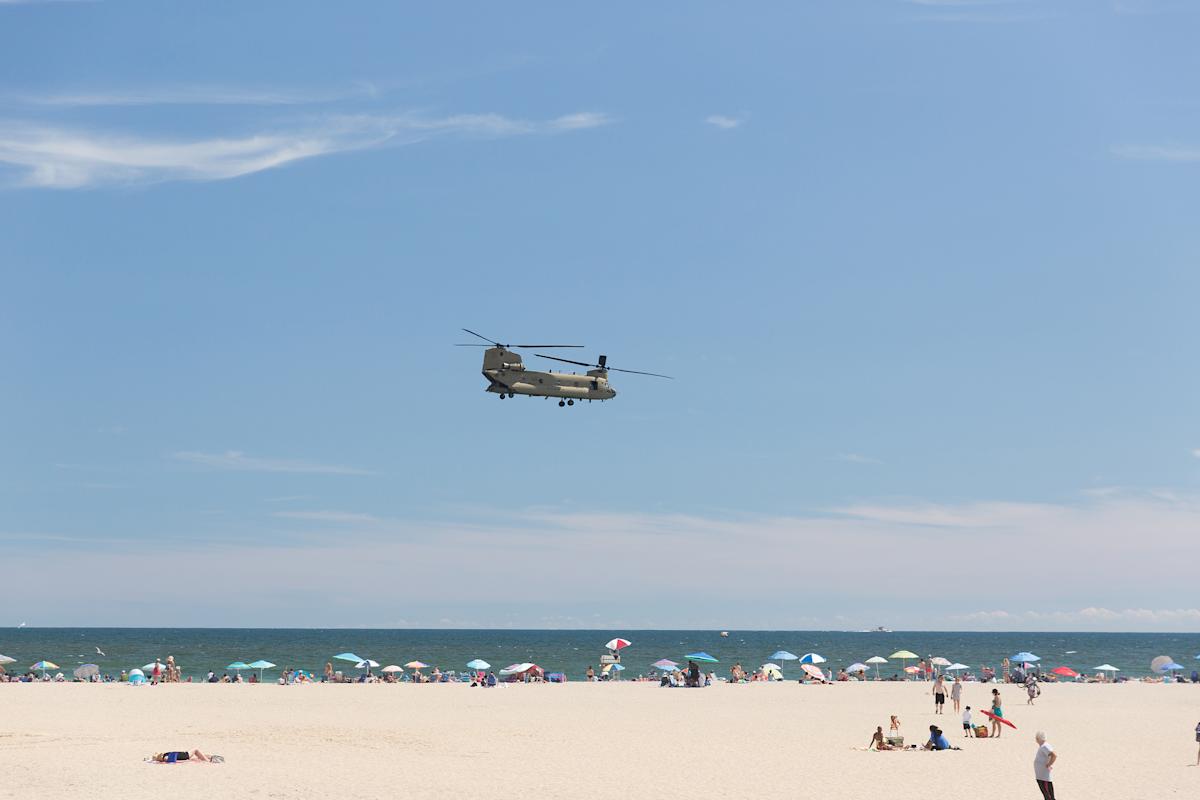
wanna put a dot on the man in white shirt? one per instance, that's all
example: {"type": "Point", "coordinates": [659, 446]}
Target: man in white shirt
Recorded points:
{"type": "Point", "coordinates": [968, 728]}
{"type": "Point", "coordinates": [1043, 763]}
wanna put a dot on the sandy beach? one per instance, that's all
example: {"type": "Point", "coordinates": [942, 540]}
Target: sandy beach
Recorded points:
{"type": "Point", "coordinates": [583, 740]}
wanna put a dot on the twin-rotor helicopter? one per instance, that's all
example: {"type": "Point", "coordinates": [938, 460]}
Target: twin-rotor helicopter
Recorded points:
{"type": "Point", "coordinates": [506, 374]}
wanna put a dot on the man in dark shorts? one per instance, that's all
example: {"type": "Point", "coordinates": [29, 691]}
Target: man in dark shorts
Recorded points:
{"type": "Point", "coordinates": [939, 695]}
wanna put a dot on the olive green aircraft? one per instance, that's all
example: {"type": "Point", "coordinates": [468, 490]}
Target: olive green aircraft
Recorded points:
{"type": "Point", "coordinates": [507, 376]}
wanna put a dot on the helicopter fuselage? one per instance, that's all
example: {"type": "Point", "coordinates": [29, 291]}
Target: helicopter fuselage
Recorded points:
{"type": "Point", "coordinates": [507, 376]}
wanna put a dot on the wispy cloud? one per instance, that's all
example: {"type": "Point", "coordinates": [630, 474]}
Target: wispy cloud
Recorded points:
{"type": "Point", "coordinates": [332, 517]}
{"type": "Point", "coordinates": [66, 158]}
{"type": "Point", "coordinates": [190, 95]}
{"type": "Point", "coordinates": [1142, 152]}
{"type": "Point", "coordinates": [1090, 617]}
{"type": "Point", "coordinates": [1196, 452]}
{"type": "Point", "coordinates": [240, 462]}
{"type": "Point", "coordinates": [857, 458]}
{"type": "Point", "coordinates": [723, 122]}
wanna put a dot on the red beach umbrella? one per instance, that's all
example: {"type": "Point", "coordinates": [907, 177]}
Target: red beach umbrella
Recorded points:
{"type": "Point", "coordinates": [618, 644]}
{"type": "Point", "coordinates": [1066, 672]}
{"type": "Point", "coordinates": [990, 715]}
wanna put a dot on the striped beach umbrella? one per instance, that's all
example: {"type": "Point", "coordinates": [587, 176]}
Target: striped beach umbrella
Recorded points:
{"type": "Point", "coordinates": [44, 665]}
{"type": "Point", "coordinates": [812, 658]}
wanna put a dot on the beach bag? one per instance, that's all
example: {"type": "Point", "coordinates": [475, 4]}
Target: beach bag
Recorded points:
{"type": "Point", "coordinates": [895, 741]}
{"type": "Point", "coordinates": [981, 731]}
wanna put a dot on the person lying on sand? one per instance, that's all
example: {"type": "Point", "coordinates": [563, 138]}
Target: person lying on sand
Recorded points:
{"type": "Point", "coordinates": [175, 756]}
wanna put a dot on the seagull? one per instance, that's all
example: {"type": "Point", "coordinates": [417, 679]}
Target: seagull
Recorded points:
{"type": "Point", "coordinates": [98, 650]}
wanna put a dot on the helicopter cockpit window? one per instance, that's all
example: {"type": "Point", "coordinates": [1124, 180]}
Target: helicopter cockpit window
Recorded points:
{"type": "Point", "coordinates": [595, 384]}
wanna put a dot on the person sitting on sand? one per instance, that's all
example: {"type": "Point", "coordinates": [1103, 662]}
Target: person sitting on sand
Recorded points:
{"type": "Point", "coordinates": [877, 741]}
{"type": "Point", "coordinates": [175, 756]}
{"type": "Point", "coordinates": [937, 739]}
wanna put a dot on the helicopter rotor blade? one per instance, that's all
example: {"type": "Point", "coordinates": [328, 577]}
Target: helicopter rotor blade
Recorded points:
{"type": "Point", "coordinates": [602, 366]}
{"type": "Point", "coordinates": [565, 360]}
{"type": "Point", "coordinates": [486, 339]}
{"type": "Point", "coordinates": [639, 372]}
{"type": "Point", "coordinates": [530, 346]}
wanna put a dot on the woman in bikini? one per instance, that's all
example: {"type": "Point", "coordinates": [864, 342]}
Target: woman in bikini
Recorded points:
{"type": "Point", "coordinates": [998, 711]}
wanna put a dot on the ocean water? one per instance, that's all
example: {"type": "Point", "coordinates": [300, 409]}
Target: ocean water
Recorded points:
{"type": "Point", "coordinates": [198, 650]}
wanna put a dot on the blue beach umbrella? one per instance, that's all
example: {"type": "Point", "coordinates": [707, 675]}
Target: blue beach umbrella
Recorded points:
{"type": "Point", "coordinates": [701, 656]}
{"type": "Point", "coordinates": [812, 658]}
{"type": "Point", "coordinates": [348, 657]}
{"type": "Point", "coordinates": [478, 663]}
{"type": "Point", "coordinates": [1024, 657]}
{"type": "Point", "coordinates": [783, 655]}
{"type": "Point", "coordinates": [260, 665]}
{"type": "Point", "coordinates": [239, 666]}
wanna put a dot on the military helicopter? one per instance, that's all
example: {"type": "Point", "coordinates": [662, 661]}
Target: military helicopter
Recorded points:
{"type": "Point", "coordinates": [506, 374]}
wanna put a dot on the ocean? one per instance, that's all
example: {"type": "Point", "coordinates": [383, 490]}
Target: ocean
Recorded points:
{"type": "Point", "coordinates": [197, 650]}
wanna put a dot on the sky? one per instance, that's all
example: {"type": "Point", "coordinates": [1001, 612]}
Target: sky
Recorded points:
{"type": "Point", "coordinates": [924, 272]}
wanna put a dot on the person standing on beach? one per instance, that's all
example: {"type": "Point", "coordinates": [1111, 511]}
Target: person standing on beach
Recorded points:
{"type": "Point", "coordinates": [956, 693]}
{"type": "Point", "coordinates": [1198, 742]}
{"type": "Point", "coordinates": [1043, 763]}
{"type": "Point", "coordinates": [939, 695]}
{"type": "Point", "coordinates": [997, 713]}
{"type": "Point", "coordinates": [1031, 688]}
{"type": "Point", "coordinates": [968, 728]}
{"type": "Point", "coordinates": [591, 673]}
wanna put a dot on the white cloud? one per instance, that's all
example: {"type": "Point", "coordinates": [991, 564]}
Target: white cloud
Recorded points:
{"type": "Point", "coordinates": [857, 458]}
{"type": "Point", "coordinates": [723, 122]}
{"type": "Point", "coordinates": [1090, 617]}
{"type": "Point", "coordinates": [1196, 452]}
{"type": "Point", "coordinates": [65, 158]}
{"type": "Point", "coordinates": [238, 461]}
{"type": "Point", "coordinates": [191, 95]}
{"type": "Point", "coordinates": [1157, 153]}
{"type": "Point", "coordinates": [331, 517]}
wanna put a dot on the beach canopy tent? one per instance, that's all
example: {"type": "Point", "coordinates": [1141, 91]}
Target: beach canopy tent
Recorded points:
{"type": "Point", "coordinates": [813, 671]}
{"type": "Point", "coordinates": [701, 656]}
{"type": "Point", "coordinates": [812, 658]}
{"type": "Point", "coordinates": [348, 657]}
{"type": "Point", "coordinates": [1106, 668]}
{"type": "Point", "coordinates": [1024, 657]}
{"type": "Point", "coordinates": [416, 665]}
{"type": "Point", "coordinates": [955, 667]}
{"type": "Point", "coordinates": [392, 668]}
{"type": "Point", "coordinates": [478, 663]}
{"type": "Point", "coordinates": [86, 671]}
{"type": "Point", "coordinates": [525, 669]}
{"type": "Point", "coordinates": [1066, 672]}
{"type": "Point", "coordinates": [664, 663]}
{"type": "Point", "coordinates": [783, 655]}
{"type": "Point", "coordinates": [618, 644]}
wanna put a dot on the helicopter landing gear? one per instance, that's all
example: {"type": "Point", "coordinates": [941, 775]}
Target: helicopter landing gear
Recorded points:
{"type": "Point", "coordinates": [561, 404]}
{"type": "Point", "coordinates": [502, 395]}
{"type": "Point", "coordinates": [570, 402]}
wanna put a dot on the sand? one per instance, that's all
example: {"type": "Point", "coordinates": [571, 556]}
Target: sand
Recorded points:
{"type": "Point", "coordinates": [582, 741]}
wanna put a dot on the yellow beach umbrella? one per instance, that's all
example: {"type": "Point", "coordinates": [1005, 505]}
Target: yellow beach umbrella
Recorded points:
{"type": "Point", "coordinates": [904, 655]}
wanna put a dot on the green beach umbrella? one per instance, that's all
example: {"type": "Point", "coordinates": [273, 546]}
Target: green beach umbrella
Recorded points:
{"type": "Point", "coordinates": [701, 656]}
{"type": "Point", "coordinates": [239, 666]}
{"type": "Point", "coordinates": [904, 656]}
{"type": "Point", "coordinates": [260, 665]}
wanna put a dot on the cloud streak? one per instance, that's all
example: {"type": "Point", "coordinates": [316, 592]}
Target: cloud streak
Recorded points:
{"type": "Point", "coordinates": [56, 157]}
{"type": "Point", "coordinates": [723, 122]}
{"type": "Point", "coordinates": [191, 95]}
{"type": "Point", "coordinates": [237, 461]}
{"type": "Point", "coordinates": [1140, 152]}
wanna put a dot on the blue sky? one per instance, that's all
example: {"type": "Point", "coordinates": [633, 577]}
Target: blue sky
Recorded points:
{"type": "Point", "coordinates": [925, 272]}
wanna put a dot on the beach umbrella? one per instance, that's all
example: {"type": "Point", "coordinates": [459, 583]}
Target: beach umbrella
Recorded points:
{"type": "Point", "coordinates": [912, 670]}
{"type": "Point", "coordinates": [1106, 668]}
{"type": "Point", "coordinates": [1159, 664]}
{"type": "Point", "coordinates": [393, 668]}
{"type": "Point", "coordinates": [857, 667]}
{"type": "Point", "coordinates": [348, 657]}
{"type": "Point", "coordinates": [1024, 657]}
{"type": "Point", "coordinates": [813, 671]}
{"type": "Point", "coordinates": [1171, 666]}
{"type": "Point", "coordinates": [1066, 672]}
{"type": "Point", "coordinates": [44, 665]}
{"type": "Point", "coordinates": [784, 655]}
{"type": "Point", "coordinates": [86, 671]}
{"type": "Point", "coordinates": [904, 656]}
{"type": "Point", "coordinates": [133, 672]}
{"type": "Point", "coordinates": [956, 666]}
{"type": "Point", "coordinates": [260, 665]}
{"type": "Point", "coordinates": [238, 666]}
{"type": "Point", "coordinates": [772, 671]}
{"type": "Point", "coordinates": [701, 656]}
{"type": "Point", "coordinates": [664, 663]}
{"type": "Point", "coordinates": [618, 644]}
{"type": "Point", "coordinates": [877, 660]}
{"type": "Point", "coordinates": [150, 667]}
{"type": "Point", "coordinates": [812, 658]}
{"type": "Point", "coordinates": [366, 663]}
{"type": "Point", "coordinates": [478, 663]}
{"type": "Point", "coordinates": [415, 665]}
{"type": "Point", "coordinates": [992, 716]}
{"type": "Point", "coordinates": [7, 660]}
{"type": "Point", "coordinates": [771, 665]}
